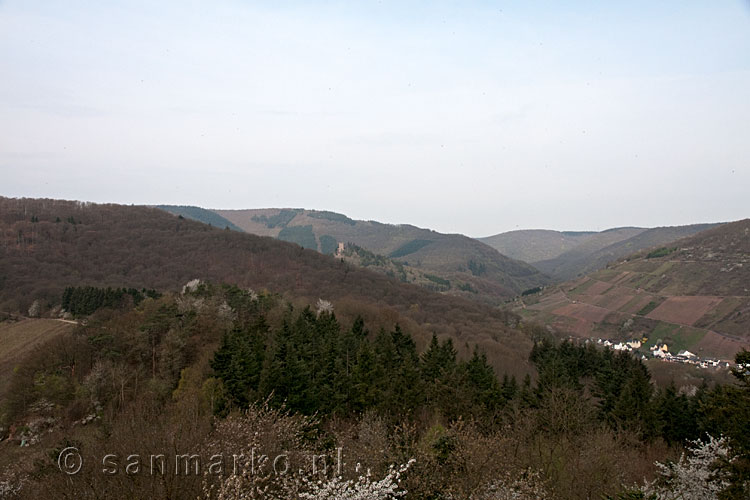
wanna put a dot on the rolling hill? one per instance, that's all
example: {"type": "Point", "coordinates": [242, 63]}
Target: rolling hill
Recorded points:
{"type": "Point", "coordinates": [47, 245]}
{"type": "Point", "coordinates": [692, 294]}
{"type": "Point", "coordinates": [470, 268]}
{"type": "Point", "coordinates": [566, 255]}
{"type": "Point", "coordinates": [201, 215]}
{"type": "Point", "coordinates": [534, 245]}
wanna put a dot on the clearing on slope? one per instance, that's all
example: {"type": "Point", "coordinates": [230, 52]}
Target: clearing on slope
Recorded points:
{"type": "Point", "coordinates": [19, 337]}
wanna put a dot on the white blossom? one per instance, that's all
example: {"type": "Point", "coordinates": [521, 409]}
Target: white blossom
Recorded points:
{"type": "Point", "coordinates": [35, 309]}
{"type": "Point", "coordinates": [694, 477]}
{"type": "Point", "coordinates": [526, 486]}
{"type": "Point", "coordinates": [364, 488]}
{"type": "Point", "coordinates": [191, 286]}
{"type": "Point", "coordinates": [324, 306]}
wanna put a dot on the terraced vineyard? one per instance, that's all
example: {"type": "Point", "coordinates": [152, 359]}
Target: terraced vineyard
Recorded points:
{"type": "Point", "coordinates": [691, 296]}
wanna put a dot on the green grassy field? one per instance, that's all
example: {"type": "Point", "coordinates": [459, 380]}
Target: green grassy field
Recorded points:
{"type": "Point", "coordinates": [684, 338]}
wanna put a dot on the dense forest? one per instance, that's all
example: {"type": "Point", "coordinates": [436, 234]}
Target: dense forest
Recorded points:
{"type": "Point", "coordinates": [221, 368]}
{"type": "Point", "coordinates": [85, 300]}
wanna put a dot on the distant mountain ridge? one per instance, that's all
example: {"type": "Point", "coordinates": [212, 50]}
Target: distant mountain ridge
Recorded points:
{"type": "Point", "coordinates": [563, 255]}
{"type": "Point", "coordinates": [576, 262]}
{"type": "Point", "coordinates": [473, 268]}
{"type": "Point", "coordinates": [535, 245]}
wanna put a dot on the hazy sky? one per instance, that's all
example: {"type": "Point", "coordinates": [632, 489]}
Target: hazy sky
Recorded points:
{"type": "Point", "coordinates": [472, 117]}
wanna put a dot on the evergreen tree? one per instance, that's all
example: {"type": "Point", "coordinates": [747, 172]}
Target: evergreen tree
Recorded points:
{"type": "Point", "coordinates": [527, 396]}
{"type": "Point", "coordinates": [432, 365]}
{"type": "Point", "coordinates": [675, 418]}
{"type": "Point", "coordinates": [481, 382]}
{"type": "Point", "coordinates": [726, 410]}
{"type": "Point", "coordinates": [509, 388]}
{"type": "Point", "coordinates": [438, 370]}
{"type": "Point", "coordinates": [632, 409]}
{"type": "Point", "coordinates": [365, 390]}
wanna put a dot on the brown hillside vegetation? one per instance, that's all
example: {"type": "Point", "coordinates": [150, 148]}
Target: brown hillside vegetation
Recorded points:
{"type": "Point", "coordinates": [73, 243]}
{"type": "Point", "coordinates": [693, 294]}
{"type": "Point", "coordinates": [472, 268]}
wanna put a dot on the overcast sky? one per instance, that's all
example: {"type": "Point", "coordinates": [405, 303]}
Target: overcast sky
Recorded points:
{"type": "Point", "coordinates": [471, 117]}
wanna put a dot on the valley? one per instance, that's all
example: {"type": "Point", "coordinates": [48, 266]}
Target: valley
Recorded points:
{"type": "Point", "coordinates": [176, 321]}
{"type": "Point", "coordinates": [565, 255]}
{"type": "Point", "coordinates": [374, 250]}
{"type": "Point", "coordinates": [691, 296]}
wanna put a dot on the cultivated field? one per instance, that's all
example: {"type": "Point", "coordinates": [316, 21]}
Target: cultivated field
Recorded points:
{"type": "Point", "coordinates": [18, 338]}
{"type": "Point", "coordinates": [719, 345]}
{"type": "Point", "coordinates": [684, 310]}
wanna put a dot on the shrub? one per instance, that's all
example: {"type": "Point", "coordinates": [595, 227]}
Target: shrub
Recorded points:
{"type": "Point", "coordinates": [695, 477]}
{"type": "Point", "coordinates": [660, 252]}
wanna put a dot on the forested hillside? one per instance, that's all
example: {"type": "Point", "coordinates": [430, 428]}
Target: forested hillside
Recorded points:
{"type": "Point", "coordinates": [469, 267]}
{"type": "Point", "coordinates": [201, 215]}
{"type": "Point", "coordinates": [219, 371]}
{"type": "Point", "coordinates": [49, 245]}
